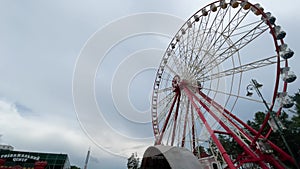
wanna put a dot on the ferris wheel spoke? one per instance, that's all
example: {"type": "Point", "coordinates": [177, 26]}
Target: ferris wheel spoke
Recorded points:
{"type": "Point", "coordinates": [175, 119]}
{"type": "Point", "coordinates": [243, 68]}
{"type": "Point", "coordinates": [247, 37]}
{"type": "Point", "coordinates": [234, 95]}
{"type": "Point", "coordinates": [189, 131]}
{"type": "Point", "coordinates": [233, 82]}
{"type": "Point", "coordinates": [171, 70]}
{"type": "Point", "coordinates": [245, 134]}
{"type": "Point", "coordinates": [246, 25]}
{"type": "Point", "coordinates": [220, 25]}
{"type": "Point", "coordinates": [185, 124]}
{"type": "Point", "coordinates": [180, 123]}
{"type": "Point", "coordinates": [202, 26]}
{"type": "Point", "coordinates": [227, 31]}
{"type": "Point", "coordinates": [190, 49]}
{"type": "Point", "coordinates": [188, 135]}
{"type": "Point", "coordinates": [181, 48]}
{"type": "Point", "coordinates": [210, 130]}
{"type": "Point", "coordinates": [202, 42]}
{"type": "Point", "coordinates": [178, 67]}
{"type": "Point", "coordinates": [234, 47]}
{"type": "Point", "coordinates": [236, 127]}
{"type": "Point", "coordinates": [164, 111]}
{"type": "Point", "coordinates": [166, 98]}
{"type": "Point", "coordinates": [226, 125]}
{"type": "Point", "coordinates": [165, 104]}
{"type": "Point", "coordinates": [214, 46]}
{"type": "Point", "coordinates": [178, 60]}
{"type": "Point", "coordinates": [195, 40]}
{"type": "Point", "coordinates": [193, 128]}
{"type": "Point", "coordinates": [168, 131]}
{"type": "Point", "coordinates": [168, 118]}
{"type": "Point", "coordinates": [167, 89]}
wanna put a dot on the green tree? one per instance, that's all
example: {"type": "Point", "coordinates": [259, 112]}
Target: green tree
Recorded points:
{"type": "Point", "coordinates": [296, 126]}
{"type": "Point", "coordinates": [230, 145]}
{"type": "Point", "coordinates": [259, 118]}
{"type": "Point", "coordinates": [74, 167]}
{"type": "Point", "coordinates": [296, 111]}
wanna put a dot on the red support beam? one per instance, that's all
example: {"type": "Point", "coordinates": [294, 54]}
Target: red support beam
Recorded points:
{"type": "Point", "coordinates": [237, 139]}
{"type": "Point", "coordinates": [219, 107]}
{"type": "Point", "coordinates": [210, 131]}
{"type": "Point", "coordinates": [261, 128]}
{"type": "Point", "coordinates": [284, 154]}
{"type": "Point", "coordinates": [193, 129]}
{"type": "Point", "coordinates": [184, 125]}
{"type": "Point", "coordinates": [175, 118]}
{"type": "Point", "coordinates": [167, 119]}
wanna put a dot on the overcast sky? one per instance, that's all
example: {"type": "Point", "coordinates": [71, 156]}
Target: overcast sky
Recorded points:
{"type": "Point", "coordinates": [40, 42]}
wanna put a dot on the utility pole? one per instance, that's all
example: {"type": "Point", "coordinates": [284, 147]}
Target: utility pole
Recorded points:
{"type": "Point", "coordinates": [256, 86]}
{"type": "Point", "coordinates": [87, 158]}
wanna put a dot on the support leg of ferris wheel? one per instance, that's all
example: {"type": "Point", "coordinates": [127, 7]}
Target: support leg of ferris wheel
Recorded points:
{"type": "Point", "coordinates": [284, 155]}
{"type": "Point", "coordinates": [211, 132]}
{"type": "Point", "coordinates": [167, 119]}
{"type": "Point", "coordinates": [192, 97]}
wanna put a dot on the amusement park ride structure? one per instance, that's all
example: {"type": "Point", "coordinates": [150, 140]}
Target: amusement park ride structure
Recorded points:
{"type": "Point", "coordinates": [198, 91]}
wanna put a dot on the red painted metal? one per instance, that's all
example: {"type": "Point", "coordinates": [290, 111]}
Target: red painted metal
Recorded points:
{"type": "Point", "coordinates": [210, 131]}
{"type": "Point", "coordinates": [2, 162]}
{"type": "Point", "coordinates": [40, 164]}
{"type": "Point", "coordinates": [193, 129]}
{"type": "Point", "coordinates": [237, 139]}
{"type": "Point", "coordinates": [284, 85]}
{"type": "Point", "coordinates": [284, 156]}
{"type": "Point", "coordinates": [261, 128]}
{"type": "Point", "coordinates": [184, 125]}
{"type": "Point", "coordinates": [167, 119]}
{"type": "Point", "coordinates": [276, 86]}
{"type": "Point", "coordinates": [175, 118]}
{"type": "Point", "coordinates": [219, 107]}
{"type": "Point", "coordinates": [251, 154]}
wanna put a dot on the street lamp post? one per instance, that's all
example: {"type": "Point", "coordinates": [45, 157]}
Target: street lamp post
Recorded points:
{"type": "Point", "coordinates": [255, 85]}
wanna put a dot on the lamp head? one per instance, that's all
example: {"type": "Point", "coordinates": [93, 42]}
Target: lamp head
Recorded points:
{"type": "Point", "coordinates": [249, 93]}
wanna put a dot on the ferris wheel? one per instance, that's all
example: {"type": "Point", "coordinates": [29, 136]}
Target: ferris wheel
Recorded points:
{"type": "Point", "coordinates": [200, 87]}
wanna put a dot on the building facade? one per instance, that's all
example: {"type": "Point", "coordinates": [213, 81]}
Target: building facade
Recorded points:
{"type": "Point", "coordinates": [10, 159]}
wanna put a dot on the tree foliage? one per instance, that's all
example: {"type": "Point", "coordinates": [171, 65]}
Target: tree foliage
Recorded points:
{"type": "Point", "coordinates": [74, 167]}
{"type": "Point", "coordinates": [296, 117]}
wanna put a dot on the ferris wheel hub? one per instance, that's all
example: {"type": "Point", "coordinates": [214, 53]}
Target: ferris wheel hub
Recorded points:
{"type": "Point", "coordinates": [176, 82]}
